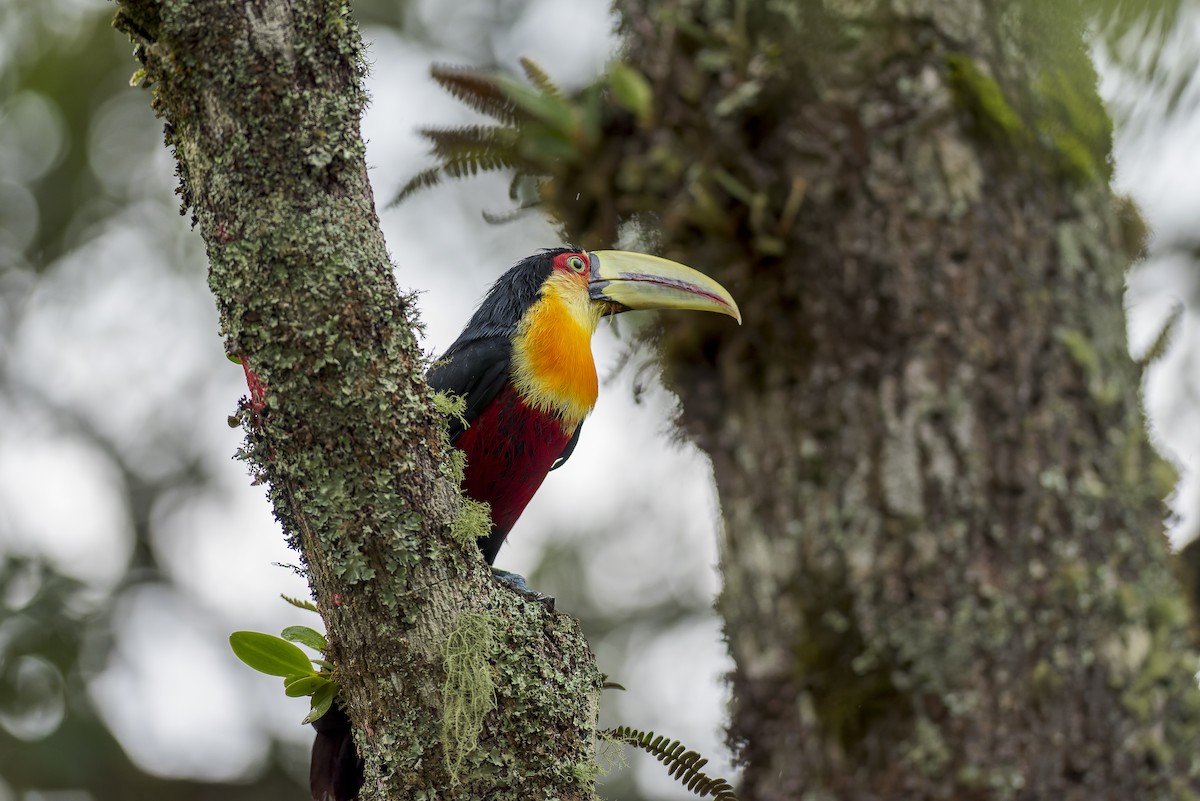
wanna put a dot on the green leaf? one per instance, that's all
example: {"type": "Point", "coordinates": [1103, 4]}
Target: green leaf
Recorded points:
{"type": "Point", "coordinates": [555, 112]}
{"type": "Point", "coordinates": [322, 699]}
{"type": "Point", "coordinates": [305, 636]}
{"type": "Point", "coordinates": [297, 686]}
{"type": "Point", "coordinates": [269, 654]}
{"type": "Point", "coordinates": [477, 90]}
{"type": "Point", "coordinates": [632, 90]}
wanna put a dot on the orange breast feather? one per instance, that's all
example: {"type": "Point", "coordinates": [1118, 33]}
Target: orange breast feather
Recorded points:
{"type": "Point", "coordinates": [552, 357]}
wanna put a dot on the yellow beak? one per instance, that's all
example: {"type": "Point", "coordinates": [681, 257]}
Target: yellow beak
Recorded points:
{"type": "Point", "coordinates": [626, 280]}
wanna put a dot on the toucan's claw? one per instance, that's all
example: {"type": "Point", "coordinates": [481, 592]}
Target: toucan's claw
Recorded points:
{"type": "Point", "coordinates": [518, 583]}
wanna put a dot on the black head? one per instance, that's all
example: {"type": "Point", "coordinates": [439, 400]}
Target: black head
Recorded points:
{"type": "Point", "coordinates": [511, 295]}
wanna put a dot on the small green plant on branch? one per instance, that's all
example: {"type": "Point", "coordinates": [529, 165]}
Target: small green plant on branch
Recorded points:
{"type": "Point", "coordinates": [279, 656]}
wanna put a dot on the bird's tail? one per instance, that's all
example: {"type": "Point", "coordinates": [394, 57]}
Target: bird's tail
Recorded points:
{"type": "Point", "coordinates": [336, 771]}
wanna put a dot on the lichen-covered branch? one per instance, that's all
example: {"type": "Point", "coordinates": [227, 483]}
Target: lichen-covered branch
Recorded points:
{"type": "Point", "coordinates": [262, 103]}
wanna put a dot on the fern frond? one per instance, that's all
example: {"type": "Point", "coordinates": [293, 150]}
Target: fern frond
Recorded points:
{"type": "Point", "coordinates": [473, 163]}
{"type": "Point", "coordinates": [463, 164]}
{"type": "Point", "coordinates": [505, 217]}
{"type": "Point", "coordinates": [422, 180]}
{"type": "Point", "coordinates": [478, 90]}
{"type": "Point", "coordinates": [683, 765]}
{"type": "Point", "coordinates": [300, 603]}
{"type": "Point", "coordinates": [479, 138]}
{"type": "Point", "coordinates": [475, 148]}
{"type": "Point", "coordinates": [1162, 342]}
{"type": "Point", "coordinates": [525, 187]}
{"type": "Point", "coordinates": [539, 77]}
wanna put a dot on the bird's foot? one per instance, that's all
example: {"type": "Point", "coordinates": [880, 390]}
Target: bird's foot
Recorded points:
{"type": "Point", "coordinates": [518, 583]}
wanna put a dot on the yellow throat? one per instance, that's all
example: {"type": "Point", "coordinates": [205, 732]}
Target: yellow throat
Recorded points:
{"type": "Point", "coordinates": [553, 369]}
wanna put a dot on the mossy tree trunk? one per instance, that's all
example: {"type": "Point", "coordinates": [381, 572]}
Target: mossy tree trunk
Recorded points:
{"type": "Point", "coordinates": [262, 102]}
{"type": "Point", "coordinates": [945, 569]}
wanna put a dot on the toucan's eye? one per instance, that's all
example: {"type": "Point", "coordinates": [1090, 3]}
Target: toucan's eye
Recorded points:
{"type": "Point", "coordinates": [577, 263]}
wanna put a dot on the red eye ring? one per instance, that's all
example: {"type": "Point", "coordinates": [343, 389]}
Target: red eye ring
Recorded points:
{"type": "Point", "coordinates": [577, 263]}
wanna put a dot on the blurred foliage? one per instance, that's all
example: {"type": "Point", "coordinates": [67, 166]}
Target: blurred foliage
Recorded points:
{"type": "Point", "coordinates": [59, 69]}
{"type": "Point", "coordinates": [52, 632]}
{"type": "Point", "coordinates": [1141, 31]}
{"type": "Point", "coordinates": [1117, 17]}
{"type": "Point", "coordinates": [541, 129]}
{"type": "Point", "coordinates": [79, 152]}
{"type": "Point", "coordinates": [1148, 41]}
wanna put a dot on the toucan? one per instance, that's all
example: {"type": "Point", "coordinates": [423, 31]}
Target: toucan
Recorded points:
{"type": "Point", "coordinates": [523, 365]}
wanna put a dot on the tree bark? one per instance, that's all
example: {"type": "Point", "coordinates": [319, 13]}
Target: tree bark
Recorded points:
{"type": "Point", "coordinates": [945, 571]}
{"type": "Point", "coordinates": [262, 101]}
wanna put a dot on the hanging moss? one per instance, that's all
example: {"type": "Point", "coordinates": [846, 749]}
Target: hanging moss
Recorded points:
{"type": "Point", "coordinates": [469, 691]}
{"type": "Point", "coordinates": [473, 521]}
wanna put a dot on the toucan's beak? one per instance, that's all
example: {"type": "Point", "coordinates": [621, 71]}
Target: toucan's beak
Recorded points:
{"type": "Point", "coordinates": [626, 280]}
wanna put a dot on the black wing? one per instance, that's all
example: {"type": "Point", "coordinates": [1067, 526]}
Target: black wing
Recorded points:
{"type": "Point", "coordinates": [476, 371]}
{"type": "Point", "coordinates": [568, 449]}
